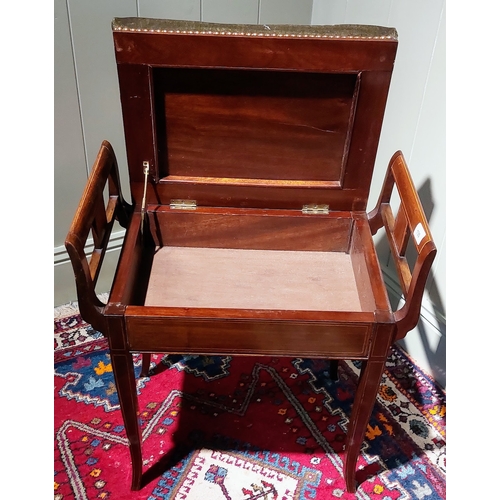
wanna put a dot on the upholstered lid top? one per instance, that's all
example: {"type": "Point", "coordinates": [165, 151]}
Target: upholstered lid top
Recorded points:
{"type": "Point", "coordinates": [272, 30]}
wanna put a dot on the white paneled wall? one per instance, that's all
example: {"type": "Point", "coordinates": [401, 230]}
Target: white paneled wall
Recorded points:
{"type": "Point", "coordinates": [230, 11]}
{"type": "Point", "coordinates": [170, 9]}
{"type": "Point", "coordinates": [87, 102]}
{"type": "Point", "coordinates": [87, 110]}
{"type": "Point", "coordinates": [414, 123]}
{"type": "Point", "coordinates": [70, 165]}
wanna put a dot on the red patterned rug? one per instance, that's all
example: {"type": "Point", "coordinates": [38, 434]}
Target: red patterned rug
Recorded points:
{"type": "Point", "coordinates": [239, 428]}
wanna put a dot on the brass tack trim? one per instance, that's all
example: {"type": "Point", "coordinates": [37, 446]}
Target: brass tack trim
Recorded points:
{"type": "Point", "coordinates": [233, 33]}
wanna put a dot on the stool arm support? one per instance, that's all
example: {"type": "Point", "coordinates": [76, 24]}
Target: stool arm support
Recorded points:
{"type": "Point", "coordinates": [93, 215]}
{"type": "Point", "coordinates": [409, 222]}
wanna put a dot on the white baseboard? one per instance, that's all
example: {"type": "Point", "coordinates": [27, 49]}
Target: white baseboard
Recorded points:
{"type": "Point", "coordinates": [426, 343]}
{"type": "Point", "coordinates": [61, 257]}
{"type": "Point", "coordinates": [64, 281]}
{"type": "Point", "coordinates": [428, 311]}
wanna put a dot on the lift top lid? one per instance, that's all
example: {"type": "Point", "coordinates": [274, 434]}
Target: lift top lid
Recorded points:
{"type": "Point", "coordinates": [253, 115]}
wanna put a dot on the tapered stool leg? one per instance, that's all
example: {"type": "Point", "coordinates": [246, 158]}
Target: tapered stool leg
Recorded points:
{"type": "Point", "coordinates": [146, 363]}
{"type": "Point", "coordinates": [364, 400]}
{"type": "Point", "coordinates": [123, 370]}
{"type": "Point", "coordinates": [334, 369]}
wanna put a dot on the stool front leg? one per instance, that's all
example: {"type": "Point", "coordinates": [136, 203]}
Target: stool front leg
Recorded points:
{"type": "Point", "coordinates": [146, 363]}
{"type": "Point", "coordinates": [334, 369]}
{"type": "Point", "coordinates": [123, 370]}
{"type": "Point", "coordinates": [364, 401]}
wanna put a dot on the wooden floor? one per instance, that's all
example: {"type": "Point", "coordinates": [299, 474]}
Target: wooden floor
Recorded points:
{"type": "Point", "coordinates": [252, 279]}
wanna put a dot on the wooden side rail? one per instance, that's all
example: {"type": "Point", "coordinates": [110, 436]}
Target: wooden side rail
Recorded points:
{"type": "Point", "coordinates": [94, 215]}
{"type": "Point", "coordinates": [410, 221]}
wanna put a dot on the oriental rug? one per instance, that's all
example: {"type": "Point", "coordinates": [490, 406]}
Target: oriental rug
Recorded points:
{"type": "Point", "coordinates": [239, 428]}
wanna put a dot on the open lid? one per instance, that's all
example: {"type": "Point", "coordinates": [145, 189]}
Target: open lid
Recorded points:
{"type": "Point", "coordinates": [253, 115]}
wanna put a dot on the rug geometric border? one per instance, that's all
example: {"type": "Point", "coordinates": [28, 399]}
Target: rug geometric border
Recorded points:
{"type": "Point", "coordinates": [409, 415]}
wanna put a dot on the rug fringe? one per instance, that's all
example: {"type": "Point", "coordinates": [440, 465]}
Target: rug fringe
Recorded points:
{"type": "Point", "coordinates": [71, 308]}
{"type": "Point", "coordinates": [65, 310]}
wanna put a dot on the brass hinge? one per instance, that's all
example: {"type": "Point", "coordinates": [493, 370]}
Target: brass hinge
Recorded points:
{"type": "Point", "coordinates": [315, 209]}
{"type": "Point", "coordinates": [183, 204]}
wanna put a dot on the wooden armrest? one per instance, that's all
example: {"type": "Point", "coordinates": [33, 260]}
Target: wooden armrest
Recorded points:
{"type": "Point", "coordinates": [410, 221]}
{"type": "Point", "coordinates": [93, 215]}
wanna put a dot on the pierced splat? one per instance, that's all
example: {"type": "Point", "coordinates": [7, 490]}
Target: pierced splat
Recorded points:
{"type": "Point", "coordinates": [410, 222]}
{"type": "Point", "coordinates": [93, 215]}
{"type": "Point", "coordinates": [401, 231]}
